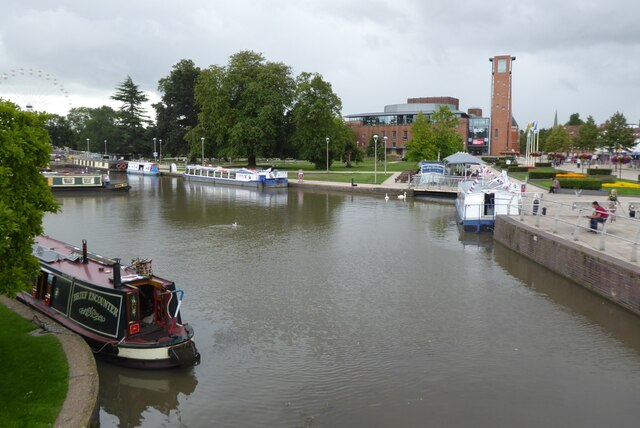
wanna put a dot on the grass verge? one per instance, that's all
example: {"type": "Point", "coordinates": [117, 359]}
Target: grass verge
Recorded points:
{"type": "Point", "coordinates": [35, 374]}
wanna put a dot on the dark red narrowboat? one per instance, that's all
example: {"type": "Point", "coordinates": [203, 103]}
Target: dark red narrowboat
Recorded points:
{"type": "Point", "coordinates": [126, 314]}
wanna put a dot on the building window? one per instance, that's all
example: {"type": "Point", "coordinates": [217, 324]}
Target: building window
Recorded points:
{"type": "Point", "coordinates": [496, 136]}
{"type": "Point", "coordinates": [394, 136]}
{"type": "Point", "coordinates": [405, 135]}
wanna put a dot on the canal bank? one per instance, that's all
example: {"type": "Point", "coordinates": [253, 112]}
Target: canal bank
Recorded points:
{"type": "Point", "coordinates": [80, 408]}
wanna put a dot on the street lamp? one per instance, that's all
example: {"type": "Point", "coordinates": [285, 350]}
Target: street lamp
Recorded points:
{"type": "Point", "coordinates": [160, 150]}
{"type": "Point", "coordinates": [385, 153]}
{"type": "Point", "coordinates": [105, 147]}
{"type": "Point", "coordinates": [375, 159]}
{"type": "Point", "coordinates": [87, 147]}
{"type": "Point", "coordinates": [202, 143]}
{"type": "Point", "coordinates": [327, 139]}
{"type": "Point", "coordinates": [154, 149]}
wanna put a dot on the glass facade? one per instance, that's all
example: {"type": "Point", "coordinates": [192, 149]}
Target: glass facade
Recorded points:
{"type": "Point", "coordinates": [478, 138]}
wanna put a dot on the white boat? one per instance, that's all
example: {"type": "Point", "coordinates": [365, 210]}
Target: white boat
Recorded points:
{"type": "Point", "coordinates": [237, 176]}
{"type": "Point", "coordinates": [143, 168]}
{"type": "Point", "coordinates": [431, 173]}
{"type": "Point", "coordinates": [480, 200]}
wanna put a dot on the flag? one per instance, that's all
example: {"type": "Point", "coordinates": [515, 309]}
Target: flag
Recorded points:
{"type": "Point", "coordinates": [535, 127]}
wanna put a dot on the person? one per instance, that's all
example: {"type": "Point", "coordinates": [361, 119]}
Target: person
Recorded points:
{"type": "Point", "coordinates": [106, 180]}
{"type": "Point", "coordinates": [599, 216]}
{"type": "Point", "coordinates": [613, 203]}
{"type": "Point", "coordinates": [555, 186]}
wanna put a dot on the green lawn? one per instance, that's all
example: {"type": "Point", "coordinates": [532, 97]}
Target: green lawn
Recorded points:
{"type": "Point", "coordinates": [35, 374]}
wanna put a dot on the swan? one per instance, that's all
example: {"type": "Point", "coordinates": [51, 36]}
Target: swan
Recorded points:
{"type": "Point", "coordinates": [234, 224]}
{"type": "Point", "coordinates": [386, 197]}
{"type": "Point", "coordinates": [404, 196]}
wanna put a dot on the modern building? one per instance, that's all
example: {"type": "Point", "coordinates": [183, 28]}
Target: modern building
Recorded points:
{"type": "Point", "coordinates": [393, 125]}
{"type": "Point", "coordinates": [505, 133]}
{"type": "Point", "coordinates": [495, 136]}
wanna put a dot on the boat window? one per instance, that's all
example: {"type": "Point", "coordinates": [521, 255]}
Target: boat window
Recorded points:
{"type": "Point", "coordinates": [87, 180]}
{"type": "Point", "coordinates": [67, 180]}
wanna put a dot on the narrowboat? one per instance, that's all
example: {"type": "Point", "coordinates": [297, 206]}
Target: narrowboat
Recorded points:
{"type": "Point", "coordinates": [481, 199]}
{"type": "Point", "coordinates": [143, 168]}
{"type": "Point", "coordinates": [237, 176]}
{"type": "Point", "coordinates": [60, 182]}
{"type": "Point", "coordinates": [126, 314]}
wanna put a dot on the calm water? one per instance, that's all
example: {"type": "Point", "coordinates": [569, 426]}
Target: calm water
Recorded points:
{"type": "Point", "coordinates": [335, 310]}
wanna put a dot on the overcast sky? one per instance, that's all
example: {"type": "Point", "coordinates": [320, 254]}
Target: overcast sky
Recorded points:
{"type": "Point", "coordinates": [573, 56]}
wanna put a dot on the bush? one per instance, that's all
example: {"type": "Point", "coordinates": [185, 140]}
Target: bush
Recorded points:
{"type": "Point", "coordinates": [518, 168]}
{"type": "Point", "coordinates": [599, 171]}
{"type": "Point", "coordinates": [541, 174]}
{"type": "Point", "coordinates": [578, 183]}
{"type": "Point", "coordinates": [543, 165]}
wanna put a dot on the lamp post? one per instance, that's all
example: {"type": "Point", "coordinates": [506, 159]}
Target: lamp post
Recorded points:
{"type": "Point", "coordinates": [154, 149]}
{"type": "Point", "coordinates": [105, 147]}
{"type": "Point", "coordinates": [385, 153]}
{"type": "Point", "coordinates": [202, 143]}
{"type": "Point", "coordinates": [87, 147]}
{"type": "Point", "coordinates": [327, 139]}
{"type": "Point", "coordinates": [375, 159]}
{"type": "Point", "coordinates": [160, 150]}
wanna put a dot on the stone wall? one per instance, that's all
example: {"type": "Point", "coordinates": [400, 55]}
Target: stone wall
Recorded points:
{"type": "Point", "coordinates": [611, 278]}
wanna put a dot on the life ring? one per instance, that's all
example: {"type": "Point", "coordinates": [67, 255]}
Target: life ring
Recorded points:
{"type": "Point", "coordinates": [121, 166]}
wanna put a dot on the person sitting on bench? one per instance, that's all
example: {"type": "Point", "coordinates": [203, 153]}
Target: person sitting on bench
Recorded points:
{"type": "Point", "coordinates": [599, 215]}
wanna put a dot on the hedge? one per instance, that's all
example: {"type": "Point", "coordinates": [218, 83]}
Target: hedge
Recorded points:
{"type": "Point", "coordinates": [599, 171]}
{"type": "Point", "coordinates": [541, 174]}
{"type": "Point", "coordinates": [543, 164]}
{"type": "Point", "coordinates": [580, 183]}
{"type": "Point", "coordinates": [518, 168]}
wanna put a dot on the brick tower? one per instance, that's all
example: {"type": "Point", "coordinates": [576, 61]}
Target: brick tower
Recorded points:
{"type": "Point", "coordinates": [502, 138]}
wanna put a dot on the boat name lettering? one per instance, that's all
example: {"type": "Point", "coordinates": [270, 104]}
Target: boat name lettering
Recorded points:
{"type": "Point", "coordinates": [96, 298]}
{"type": "Point", "coordinates": [90, 312]}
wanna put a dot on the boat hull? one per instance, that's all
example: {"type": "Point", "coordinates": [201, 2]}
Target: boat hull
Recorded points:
{"type": "Point", "coordinates": [256, 184]}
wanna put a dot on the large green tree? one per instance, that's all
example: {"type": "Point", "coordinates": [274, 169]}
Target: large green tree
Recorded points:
{"type": "Point", "coordinates": [132, 116]}
{"type": "Point", "coordinates": [574, 120]}
{"type": "Point", "coordinates": [25, 148]}
{"type": "Point", "coordinates": [313, 120]}
{"type": "Point", "coordinates": [423, 143]}
{"type": "Point", "coordinates": [616, 135]}
{"type": "Point", "coordinates": [588, 136]}
{"type": "Point", "coordinates": [243, 108]}
{"type": "Point", "coordinates": [558, 140]}
{"type": "Point", "coordinates": [177, 112]}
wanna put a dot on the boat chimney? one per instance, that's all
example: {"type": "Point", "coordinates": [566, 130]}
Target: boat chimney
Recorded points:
{"type": "Point", "coordinates": [117, 282]}
{"type": "Point", "coordinates": [85, 259]}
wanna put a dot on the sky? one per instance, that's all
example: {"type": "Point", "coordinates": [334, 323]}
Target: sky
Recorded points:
{"type": "Point", "coordinates": [572, 56]}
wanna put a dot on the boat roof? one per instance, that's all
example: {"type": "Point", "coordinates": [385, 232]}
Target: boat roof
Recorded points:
{"type": "Point", "coordinates": [68, 259]}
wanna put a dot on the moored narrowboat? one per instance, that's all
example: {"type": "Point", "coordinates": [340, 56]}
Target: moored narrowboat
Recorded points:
{"type": "Point", "coordinates": [70, 181]}
{"type": "Point", "coordinates": [126, 314]}
{"type": "Point", "coordinates": [143, 168]}
{"type": "Point", "coordinates": [242, 177]}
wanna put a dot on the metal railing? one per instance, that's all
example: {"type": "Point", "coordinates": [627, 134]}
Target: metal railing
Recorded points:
{"type": "Point", "coordinates": [620, 233]}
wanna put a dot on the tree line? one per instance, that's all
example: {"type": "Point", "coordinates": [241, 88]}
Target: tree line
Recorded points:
{"type": "Point", "coordinates": [614, 136]}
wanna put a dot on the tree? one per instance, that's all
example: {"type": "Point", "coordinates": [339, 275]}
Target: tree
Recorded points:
{"type": "Point", "coordinates": [177, 112]}
{"type": "Point", "coordinates": [574, 120]}
{"type": "Point", "coordinates": [243, 107]}
{"type": "Point", "coordinates": [558, 140]}
{"type": "Point", "coordinates": [588, 135]}
{"type": "Point", "coordinates": [445, 125]}
{"type": "Point", "coordinates": [132, 114]}
{"type": "Point", "coordinates": [60, 131]}
{"type": "Point", "coordinates": [25, 148]}
{"type": "Point", "coordinates": [313, 119]}
{"type": "Point", "coordinates": [423, 144]}
{"type": "Point", "coordinates": [616, 134]}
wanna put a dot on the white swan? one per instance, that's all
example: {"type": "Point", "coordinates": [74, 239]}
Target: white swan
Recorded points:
{"type": "Point", "coordinates": [404, 196]}
{"type": "Point", "coordinates": [234, 224]}
{"type": "Point", "coordinates": [386, 197]}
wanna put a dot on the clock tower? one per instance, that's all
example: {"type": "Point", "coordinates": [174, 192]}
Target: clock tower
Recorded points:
{"type": "Point", "coordinates": [502, 137]}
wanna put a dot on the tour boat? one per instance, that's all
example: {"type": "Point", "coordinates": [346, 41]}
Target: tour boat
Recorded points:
{"type": "Point", "coordinates": [479, 200]}
{"type": "Point", "coordinates": [60, 182]}
{"type": "Point", "coordinates": [126, 314]}
{"type": "Point", "coordinates": [143, 167]}
{"type": "Point", "coordinates": [237, 176]}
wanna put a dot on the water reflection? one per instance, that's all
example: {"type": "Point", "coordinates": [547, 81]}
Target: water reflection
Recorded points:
{"type": "Point", "coordinates": [128, 396]}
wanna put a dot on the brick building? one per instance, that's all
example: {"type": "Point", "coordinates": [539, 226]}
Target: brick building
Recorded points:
{"type": "Point", "coordinates": [395, 121]}
{"type": "Point", "coordinates": [505, 133]}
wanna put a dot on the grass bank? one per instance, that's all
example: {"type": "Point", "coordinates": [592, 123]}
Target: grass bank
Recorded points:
{"type": "Point", "coordinates": [35, 374]}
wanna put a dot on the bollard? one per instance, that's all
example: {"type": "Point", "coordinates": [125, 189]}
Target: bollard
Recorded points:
{"type": "Point", "coordinates": [544, 210]}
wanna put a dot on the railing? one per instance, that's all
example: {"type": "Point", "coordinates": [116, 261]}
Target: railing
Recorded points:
{"type": "Point", "coordinates": [444, 183]}
{"type": "Point", "coordinates": [619, 235]}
